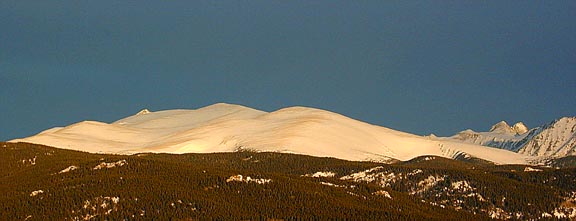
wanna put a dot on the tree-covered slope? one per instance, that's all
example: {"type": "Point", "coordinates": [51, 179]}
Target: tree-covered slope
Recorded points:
{"type": "Point", "coordinates": [44, 183]}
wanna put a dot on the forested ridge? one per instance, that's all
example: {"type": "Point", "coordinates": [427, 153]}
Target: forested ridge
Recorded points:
{"type": "Point", "coordinates": [44, 183]}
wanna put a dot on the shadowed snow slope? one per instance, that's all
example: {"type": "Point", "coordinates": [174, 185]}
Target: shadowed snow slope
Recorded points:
{"type": "Point", "coordinates": [227, 127]}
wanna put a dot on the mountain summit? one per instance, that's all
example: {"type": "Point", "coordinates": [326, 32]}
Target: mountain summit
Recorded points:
{"type": "Point", "coordinates": [143, 111]}
{"type": "Point", "coordinates": [520, 128]}
{"type": "Point", "coordinates": [228, 127]}
{"type": "Point", "coordinates": [503, 127]}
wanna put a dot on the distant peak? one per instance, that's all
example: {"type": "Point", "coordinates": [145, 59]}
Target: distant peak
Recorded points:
{"type": "Point", "coordinates": [500, 124]}
{"type": "Point", "coordinates": [520, 128]}
{"type": "Point", "coordinates": [224, 106]}
{"type": "Point", "coordinates": [227, 107]}
{"type": "Point", "coordinates": [143, 111]}
{"type": "Point", "coordinates": [221, 104]}
{"type": "Point", "coordinates": [309, 111]}
{"type": "Point", "coordinates": [468, 131]}
{"type": "Point", "coordinates": [300, 109]}
{"type": "Point", "coordinates": [502, 127]}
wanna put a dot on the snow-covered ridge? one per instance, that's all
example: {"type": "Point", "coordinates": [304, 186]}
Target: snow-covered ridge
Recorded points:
{"type": "Point", "coordinates": [555, 139]}
{"type": "Point", "coordinates": [228, 128]}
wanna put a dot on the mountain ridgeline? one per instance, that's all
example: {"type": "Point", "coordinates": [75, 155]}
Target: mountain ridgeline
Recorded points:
{"type": "Point", "coordinates": [303, 130]}
{"type": "Point", "coordinates": [228, 162]}
{"type": "Point", "coordinates": [552, 140]}
{"type": "Point", "coordinates": [44, 183]}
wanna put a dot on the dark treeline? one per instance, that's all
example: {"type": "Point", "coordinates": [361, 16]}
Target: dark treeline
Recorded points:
{"type": "Point", "coordinates": [195, 186]}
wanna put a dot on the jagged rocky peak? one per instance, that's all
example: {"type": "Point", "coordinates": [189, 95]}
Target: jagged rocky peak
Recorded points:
{"type": "Point", "coordinates": [502, 127]}
{"type": "Point", "coordinates": [143, 111]}
{"type": "Point", "coordinates": [520, 128]}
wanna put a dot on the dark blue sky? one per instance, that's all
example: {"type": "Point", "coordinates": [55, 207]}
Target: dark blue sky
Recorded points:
{"type": "Point", "coordinates": [417, 66]}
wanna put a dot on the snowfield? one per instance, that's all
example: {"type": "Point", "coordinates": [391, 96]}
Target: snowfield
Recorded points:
{"type": "Point", "coordinates": [228, 128]}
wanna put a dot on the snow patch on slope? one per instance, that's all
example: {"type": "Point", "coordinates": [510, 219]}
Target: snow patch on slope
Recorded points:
{"type": "Point", "coordinates": [98, 206]}
{"type": "Point", "coordinates": [110, 165]}
{"type": "Point", "coordinates": [36, 193]}
{"type": "Point", "coordinates": [383, 193]}
{"type": "Point", "coordinates": [68, 169]}
{"type": "Point", "coordinates": [321, 174]}
{"type": "Point", "coordinates": [247, 179]}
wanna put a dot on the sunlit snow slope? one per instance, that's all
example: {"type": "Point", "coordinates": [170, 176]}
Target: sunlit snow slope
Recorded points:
{"type": "Point", "coordinates": [227, 127]}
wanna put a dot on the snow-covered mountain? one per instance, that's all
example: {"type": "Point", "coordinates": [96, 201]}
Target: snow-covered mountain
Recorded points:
{"type": "Point", "coordinates": [227, 127]}
{"type": "Point", "coordinates": [501, 135]}
{"type": "Point", "coordinates": [555, 139]}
